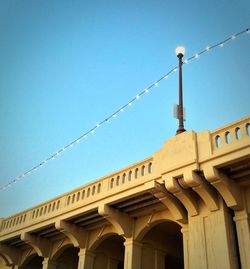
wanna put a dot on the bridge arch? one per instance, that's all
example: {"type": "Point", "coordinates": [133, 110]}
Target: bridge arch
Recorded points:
{"type": "Point", "coordinates": [162, 244]}
{"type": "Point", "coordinates": [144, 224]}
{"type": "Point", "coordinates": [58, 252]}
{"type": "Point", "coordinates": [32, 261]}
{"type": "Point", "coordinates": [10, 255]}
{"type": "Point", "coordinates": [66, 257]}
{"type": "Point", "coordinates": [4, 261]}
{"type": "Point", "coordinates": [109, 251]}
{"type": "Point", "coordinates": [95, 244]}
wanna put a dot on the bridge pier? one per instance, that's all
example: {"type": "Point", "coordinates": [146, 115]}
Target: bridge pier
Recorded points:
{"type": "Point", "coordinates": [242, 221]}
{"type": "Point", "coordinates": [86, 259]}
{"type": "Point", "coordinates": [211, 241]}
{"type": "Point", "coordinates": [133, 254]}
{"type": "Point", "coordinates": [48, 264]}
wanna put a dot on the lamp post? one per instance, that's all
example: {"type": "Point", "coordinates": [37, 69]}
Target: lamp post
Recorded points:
{"type": "Point", "coordinates": [180, 53]}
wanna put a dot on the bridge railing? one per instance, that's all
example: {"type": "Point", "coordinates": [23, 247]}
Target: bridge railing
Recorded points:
{"type": "Point", "coordinates": [114, 180]}
{"type": "Point", "coordinates": [78, 196]}
{"type": "Point", "coordinates": [231, 134]}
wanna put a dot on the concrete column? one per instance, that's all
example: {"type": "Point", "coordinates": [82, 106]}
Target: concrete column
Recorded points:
{"type": "Point", "coordinates": [185, 236]}
{"type": "Point", "coordinates": [159, 259]}
{"type": "Point", "coordinates": [211, 240]}
{"type": "Point", "coordinates": [86, 259]}
{"type": "Point", "coordinates": [48, 264]}
{"type": "Point", "coordinates": [133, 253]}
{"type": "Point", "coordinates": [243, 234]}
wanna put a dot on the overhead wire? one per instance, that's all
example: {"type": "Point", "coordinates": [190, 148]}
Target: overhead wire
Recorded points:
{"type": "Point", "coordinates": [120, 109]}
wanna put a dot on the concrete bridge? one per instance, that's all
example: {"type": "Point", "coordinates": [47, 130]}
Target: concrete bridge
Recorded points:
{"type": "Point", "coordinates": [187, 206]}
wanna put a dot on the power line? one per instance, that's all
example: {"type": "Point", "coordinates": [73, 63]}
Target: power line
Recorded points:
{"type": "Point", "coordinates": [121, 109]}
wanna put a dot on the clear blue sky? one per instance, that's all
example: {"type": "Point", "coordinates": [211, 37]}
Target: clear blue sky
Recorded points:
{"type": "Point", "coordinates": [66, 65]}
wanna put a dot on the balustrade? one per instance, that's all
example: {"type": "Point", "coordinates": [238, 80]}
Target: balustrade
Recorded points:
{"type": "Point", "coordinates": [75, 197]}
{"type": "Point", "coordinates": [230, 134]}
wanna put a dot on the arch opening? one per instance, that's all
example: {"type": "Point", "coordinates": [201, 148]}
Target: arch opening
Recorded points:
{"type": "Point", "coordinates": [218, 141]}
{"type": "Point", "coordinates": [162, 247]}
{"type": "Point", "coordinates": [228, 137]}
{"type": "Point", "coordinates": [33, 262]}
{"type": "Point", "coordinates": [110, 253]}
{"type": "Point", "coordinates": [248, 128]}
{"type": "Point", "coordinates": [3, 262]}
{"type": "Point", "coordinates": [238, 133]}
{"type": "Point", "coordinates": [67, 258]}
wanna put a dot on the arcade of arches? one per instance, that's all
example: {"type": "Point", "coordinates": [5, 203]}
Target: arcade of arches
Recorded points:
{"type": "Point", "coordinates": [185, 207]}
{"type": "Point", "coordinates": [160, 246]}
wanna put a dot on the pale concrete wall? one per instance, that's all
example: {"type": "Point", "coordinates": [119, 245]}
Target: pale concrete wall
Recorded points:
{"type": "Point", "coordinates": [211, 244]}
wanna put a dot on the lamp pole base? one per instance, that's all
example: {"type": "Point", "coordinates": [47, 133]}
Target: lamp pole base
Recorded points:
{"type": "Point", "coordinates": [180, 130]}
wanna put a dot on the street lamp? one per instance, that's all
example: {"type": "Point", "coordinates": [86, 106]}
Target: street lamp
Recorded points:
{"type": "Point", "coordinates": [180, 50]}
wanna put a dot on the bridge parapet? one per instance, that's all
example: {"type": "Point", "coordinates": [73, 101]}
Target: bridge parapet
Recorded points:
{"type": "Point", "coordinates": [230, 135]}
{"type": "Point", "coordinates": [26, 218]}
{"type": "Point", "coordinates": [109, 182]}
{"type": "Point", "coordinates": [84, 194]}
